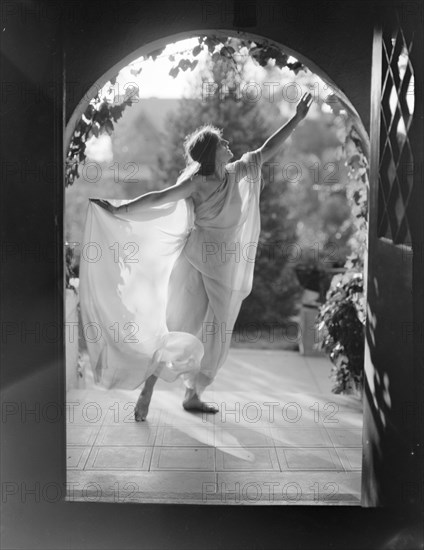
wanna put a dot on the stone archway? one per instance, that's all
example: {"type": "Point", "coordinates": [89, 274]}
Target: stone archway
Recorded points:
{"type": "Point", "coordinates": [158, 44]}
{"type": "Point", "coordinates": [222, 33]}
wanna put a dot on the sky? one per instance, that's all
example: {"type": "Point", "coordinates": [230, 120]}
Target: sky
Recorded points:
{"type": "Point", "coordinates": [154, 80]}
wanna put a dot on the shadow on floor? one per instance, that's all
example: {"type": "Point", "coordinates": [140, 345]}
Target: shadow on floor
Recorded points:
{"type": "Point", "coordinates": [280, 437]}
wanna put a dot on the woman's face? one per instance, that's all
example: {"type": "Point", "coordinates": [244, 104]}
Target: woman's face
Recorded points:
{"type": "Point", "coordinates": [223, 153]}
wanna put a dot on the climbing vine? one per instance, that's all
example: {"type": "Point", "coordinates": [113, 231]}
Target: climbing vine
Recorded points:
{"type": "Point", "coordinates": [342, 317]}
{"type": "Point", "coordinates": [357, 192]}
{"type": "Point", "coordinates": [97, 119]}
{"type": "Point", "coordinates": [105, 109]}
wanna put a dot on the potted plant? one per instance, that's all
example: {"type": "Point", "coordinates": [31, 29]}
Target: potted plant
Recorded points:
{"type": "Point", "coordinates": [310, 275]}
{"type": "Point", "coordinates": [342, 319]}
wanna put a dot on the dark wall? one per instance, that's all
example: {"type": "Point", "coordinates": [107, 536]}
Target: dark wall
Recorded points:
{"type": "Point", "coordinates": [334, 37]}
{"type": "Point", "coordinates": [393, 415]}
{"type": "Point", "coordinates": [97, 35]}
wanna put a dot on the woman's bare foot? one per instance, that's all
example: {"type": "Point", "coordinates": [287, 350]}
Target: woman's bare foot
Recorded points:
{"type": "Point", "coordinates": [142, 406]}
{"type": "Point", "coordinates": [192, 402]}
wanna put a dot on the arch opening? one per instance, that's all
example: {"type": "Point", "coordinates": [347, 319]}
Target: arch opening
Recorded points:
{"type": "Point", "coordinates": [146, 49]}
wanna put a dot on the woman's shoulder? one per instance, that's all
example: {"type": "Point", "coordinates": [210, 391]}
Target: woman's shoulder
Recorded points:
{"type": "Point", "coordinates": [254, 156]}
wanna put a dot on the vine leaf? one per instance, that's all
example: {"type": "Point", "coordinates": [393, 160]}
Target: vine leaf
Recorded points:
{"type": "Point", "coordinates": [136, 72]}
{"type": "Point", "coordinates": [156, 53]}
{"type": "Point", "coordinates": [174, 72]}
{"type": "Point", "coordinates": [100, 113]}
{"type": "Point", "coordinates": [109, 127]}
{"type": "Point", "coordinates": [89, 112]}
{"type": "Point", "coordinates": [197, 50]}
{"type": "Point", "coordinates": [184, 64]}
{"type": "Point", "coordinates": [227, 51]}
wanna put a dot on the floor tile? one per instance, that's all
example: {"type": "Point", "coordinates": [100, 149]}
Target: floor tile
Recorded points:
{"type": "Point", "coordinates": [294, 415]}
{"type": "Point", "coordinates": [243, 417]}
{"type": "Point", "coordinates": [248, 436]}
{"type": "Point", "coordinates": [249, 458]}
{"type": "Point", "coordinates": [140, 486]}
{"type": "Point", "coordinates": [287, 487]}
{"type": "Point", "coordinates": [351, 458]}
{"type": "Point", "coordinates": [122, 458]}
{"type": "Point", "coordinates": [242, 408]}
{"type": "Point", "coordinates": [81, 434]}
{"type": "Point", "coordinates": [342, 437]}
{"type": "Point", "coordinates": [136, 434]}
{"type": "Point", "coordinates": [185, 436]}
{"type": "Point", "coordinates": [301, 437]}
{"type": "Point", "coordinates": [309, 459]}
{"type": "Point", "coordinates": [89, 412]}
{"type": "Point", "coordinates": [183, 458]}
{"type": "Point", "coordinates": [346, 420]}
{"type": "Point", "coordinates": [280, 437]}
{"type": "Point", "coordinates": [184, 418]}
{"type": "Point", "coordinates": [121, 413]}
{"type": "Point", "coordinates": [76, 457]}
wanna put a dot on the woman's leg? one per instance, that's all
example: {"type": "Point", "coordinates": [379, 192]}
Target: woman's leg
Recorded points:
{"type": "Point", "coordinates": [187, 310]}
{"type": "Point", "coordinates": [192, 402]}
{"type": "Point", "coordinates": [216, 338]}
{"type": "Point", "coordinates": [187, 301]}
{"type": "Point", "coordinates": [142, 405]}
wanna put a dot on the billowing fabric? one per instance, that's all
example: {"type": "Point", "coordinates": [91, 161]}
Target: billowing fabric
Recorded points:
{"type": "Point", "coordinates": [161, 287]}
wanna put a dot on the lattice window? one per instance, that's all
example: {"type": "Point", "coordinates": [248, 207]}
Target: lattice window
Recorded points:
{"type": "Point", "coordinates": [396, 160]}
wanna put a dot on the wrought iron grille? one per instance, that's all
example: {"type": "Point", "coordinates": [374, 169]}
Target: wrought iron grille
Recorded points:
{"type": "Point", "coordinates": [396, 166]}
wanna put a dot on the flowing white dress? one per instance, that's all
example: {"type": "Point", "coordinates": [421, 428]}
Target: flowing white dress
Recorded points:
{"type": "Point", "coordinates": [161, 287]}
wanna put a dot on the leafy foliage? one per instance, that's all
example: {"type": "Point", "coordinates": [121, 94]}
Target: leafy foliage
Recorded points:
{"type": "Point", "coordinates": [343, 315]}
{"type": "Point", "coordinates": [69, 266]}
{"type": "Point", "coordinates": [98, 118]}
{"type": "Point", "coordinates": [101, 112]}
{"type": "Point", "coordinates": [235, 50]}
{"type": "Point", "coordinates": [341, 318]}
{"type": "Point", "coordinates": [358, 196]}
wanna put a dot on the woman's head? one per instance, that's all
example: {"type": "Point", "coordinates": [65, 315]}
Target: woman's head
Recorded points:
{"type": "Point", "coordinates": [204, 146]}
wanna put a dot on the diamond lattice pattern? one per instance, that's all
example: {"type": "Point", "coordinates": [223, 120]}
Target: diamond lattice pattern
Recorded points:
{"type": "Point", "coordinates": [396, 160]}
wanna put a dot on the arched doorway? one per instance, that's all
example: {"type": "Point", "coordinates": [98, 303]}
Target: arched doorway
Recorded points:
{"type": "Point", "coordinates": [222, 33]}
{"type": "Point", "coordinates": [340, 38]}
{"type": "Point", "coordinates": [147, 48]}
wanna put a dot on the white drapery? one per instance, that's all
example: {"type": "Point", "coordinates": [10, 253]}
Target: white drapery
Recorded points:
{"type": "Point", "coordinates": [129, 301]}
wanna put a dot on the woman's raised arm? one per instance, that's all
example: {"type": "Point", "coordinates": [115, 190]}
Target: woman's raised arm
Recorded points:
{"type": "Point", "coordinates": [273, 143]}
{"type": "Point", "coordinates": [181, 190]}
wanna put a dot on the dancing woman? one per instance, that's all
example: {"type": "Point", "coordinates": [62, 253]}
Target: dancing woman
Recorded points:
{"type": "Point", "coordinates": [195, 239]}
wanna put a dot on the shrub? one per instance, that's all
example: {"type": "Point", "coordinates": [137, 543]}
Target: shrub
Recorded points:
{"type": "Point", "coordinates": [342, 319]}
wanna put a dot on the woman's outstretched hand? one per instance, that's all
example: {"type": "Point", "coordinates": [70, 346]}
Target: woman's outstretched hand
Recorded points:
{"type": "Point", "coordinates": [105, 204]}
{"type": "Point", "coordinates": [303, 105]}
{"type": "Point", "coordinates": [273, 143]}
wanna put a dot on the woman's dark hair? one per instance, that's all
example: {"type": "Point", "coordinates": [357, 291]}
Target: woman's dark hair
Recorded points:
{"type": "Point", "coordinates": [200, 146]}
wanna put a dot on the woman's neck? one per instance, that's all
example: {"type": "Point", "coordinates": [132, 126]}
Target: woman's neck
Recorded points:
{"type": "Point", "coordinates": [219, 173]}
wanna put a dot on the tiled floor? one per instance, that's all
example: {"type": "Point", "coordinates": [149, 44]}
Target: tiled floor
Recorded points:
{"type": "Point", "coordinates": [281, 437]}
